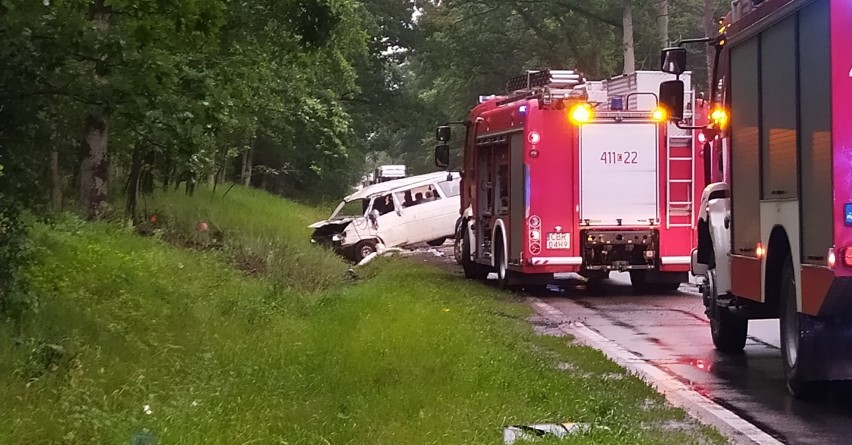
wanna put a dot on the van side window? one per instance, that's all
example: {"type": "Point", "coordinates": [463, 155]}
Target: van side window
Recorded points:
{"type": "Point", "coordinates": [417, 195]}
{"type": "Point", "coordinates": [451, 188]}
{"type": "Point", "coordinates": [383, 204]}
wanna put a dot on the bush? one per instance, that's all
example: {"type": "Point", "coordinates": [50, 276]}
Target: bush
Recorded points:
{"type": "Point", "coordinates": [13, 253]}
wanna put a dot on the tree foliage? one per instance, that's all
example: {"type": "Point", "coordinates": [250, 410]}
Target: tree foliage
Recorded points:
{"type": "Point", "coordinates": [469, 48]}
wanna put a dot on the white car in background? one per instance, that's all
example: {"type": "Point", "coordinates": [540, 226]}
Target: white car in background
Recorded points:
{"type": "Point", "coordinates": [397, 213]}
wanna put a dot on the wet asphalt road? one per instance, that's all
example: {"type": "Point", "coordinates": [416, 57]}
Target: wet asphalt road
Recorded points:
{"type": "Point", "coordinates": [671, 332]}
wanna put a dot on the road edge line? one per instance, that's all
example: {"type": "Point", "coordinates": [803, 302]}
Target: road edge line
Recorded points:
{"type": "Point", "coordinates": [677, 393]}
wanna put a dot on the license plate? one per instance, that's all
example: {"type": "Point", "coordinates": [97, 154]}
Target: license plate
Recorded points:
{"type": "Point", "coordinates": [558, 241]}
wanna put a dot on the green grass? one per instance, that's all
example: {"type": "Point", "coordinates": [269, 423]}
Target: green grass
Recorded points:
{"type": "Point", "coordinates": [260, 233]}
{"type": "Point", "coordinates": [410, 355]}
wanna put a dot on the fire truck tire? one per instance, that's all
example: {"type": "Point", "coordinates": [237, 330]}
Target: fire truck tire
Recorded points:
{"type": "Point", "coordinates": [669, 287]}
{"type": "Point", "coordinates": [501, 265]}
{"type": "Point", "coordinates": [791, 334]}
{"type": "Point", "coordinates": [472, 270]}
{"type": "Point", "coordinates": [728, 330]}
{"type": "Point", "coordinates": [637, 280]}
{"type": "Point", "coordinates": [595, 286]}
{"type": "Point", "coordinates": [457, 251]}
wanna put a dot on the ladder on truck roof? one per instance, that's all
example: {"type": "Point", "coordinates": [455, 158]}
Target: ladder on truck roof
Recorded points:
{"type": "Point", "coordinates": [549, 84]}
{"type": "Point", "coordinates": [681, 140]}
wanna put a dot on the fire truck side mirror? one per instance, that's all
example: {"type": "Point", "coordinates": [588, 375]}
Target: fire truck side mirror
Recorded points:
{"type": "Point", "coordinates": [442, 156]}
{"type": "Point", "coordinates": [673, 60]}
{"type": "Point", "coordinates": [442, 134]}
{"type": "Point", "coordinates": [671, 98]}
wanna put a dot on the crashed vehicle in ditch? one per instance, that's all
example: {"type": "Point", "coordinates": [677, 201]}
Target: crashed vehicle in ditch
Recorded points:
{"type": "Point", "coordinates": [399, 213]}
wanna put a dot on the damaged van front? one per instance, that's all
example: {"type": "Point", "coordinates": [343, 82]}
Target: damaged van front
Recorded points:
{"type": "Point", "coordinates": [403, 212]}
{"type": "Point", "coordinates": [346, 226]}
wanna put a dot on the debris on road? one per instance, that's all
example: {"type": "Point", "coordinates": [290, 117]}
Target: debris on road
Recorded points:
{"type": "Point", "coordinates": [437, 253]}
{"type": "Point", "coordinates": [526, 433]}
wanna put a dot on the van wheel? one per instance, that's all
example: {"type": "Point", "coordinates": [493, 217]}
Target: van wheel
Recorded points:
{"type": "Point", "coordinates": [472, 270]}
{"type": "Point", "coordinates": [728, 330]}
{"type": "Point", "coordinates": [791, 335]}
{"type": "Point", "coordinates": [436, 242]}
{"type": "Point", "coordinates": [363, 249]}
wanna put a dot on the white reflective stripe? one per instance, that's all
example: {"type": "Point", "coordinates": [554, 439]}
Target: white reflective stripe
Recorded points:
{"type": "Point", "coordinates": [557, 260]}
{"type": "Point", "coordinates": [676, 259]}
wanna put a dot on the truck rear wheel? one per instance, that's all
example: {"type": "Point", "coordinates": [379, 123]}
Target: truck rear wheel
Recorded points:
{"type": "Point", "coordinates": [472, 270]}
{"type": "Point", "coordinates": [637, 280]}
{"type": "Point", "coordinates": [501, 264]}
{"type": "Point", "coordinates": [669, 287]}
{"type": "Point", "coordinates": [791, 334]}
{"type": "Point", "coordinates": [728, 330]}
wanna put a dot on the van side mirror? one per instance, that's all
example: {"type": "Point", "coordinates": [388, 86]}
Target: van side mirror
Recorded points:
{"type": "Point", "coordinates": [673, 60]}
{"type": "Point", "coordinates": [671, 98]}
{"type": "Point", "coordinates": [442, 134]}
{"type": "Point", "coordinates": [442, 156]}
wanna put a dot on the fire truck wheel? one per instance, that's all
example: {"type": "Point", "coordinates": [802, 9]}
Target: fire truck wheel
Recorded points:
{"type": "Point", "coordinates": [457, 251]}
{"type": "Point", "coordinates": [669, 287]}
{"type": "Point", "coordinates": [637, 280]}
{"type": "Point", "coordinates": [364, 248]}
{"type": "Point", "coordinates": [728, 330]}
{"type": "Point", "coordinates": [472, 270]}
{"type": "Point", "coordinates": [501, 265]}
{"type": "Point", "coordinates": [791, 334]}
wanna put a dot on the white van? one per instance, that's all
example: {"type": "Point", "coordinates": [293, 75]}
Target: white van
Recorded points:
{"type": "Point", "coordinates": [396, 213]}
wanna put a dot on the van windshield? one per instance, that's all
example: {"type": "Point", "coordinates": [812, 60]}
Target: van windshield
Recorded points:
{"type": "Point", "coordinates": [356, 207]}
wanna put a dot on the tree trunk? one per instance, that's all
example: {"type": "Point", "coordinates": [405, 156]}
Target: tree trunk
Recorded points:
{"type": "Point", "coordinates": [663, 22]}
{"type": "Point", "coordinates": [709, 51]}
{"type": "Point", "coordinates": [243, 165]}
{"type": "Point", "coordinates": [55, 182]}
{"type": "Point", "coordinates": [134, 180]}
{"type": "Point", "coordinates": [627, 39]}
{"type": "Point", "coordinates": [94, 172]}
{"type": "Point", "coordinates": [211, 179]}
{"type": "Point", "coordinates": [248, 164]}
{"type": "Point", "coordinates": [167, 175]}
{"type": "Point", "coordinates": [146, 178]}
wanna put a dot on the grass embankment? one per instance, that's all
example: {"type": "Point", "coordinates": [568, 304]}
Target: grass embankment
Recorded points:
{"type": "Point", "coordinates": [134, 340]}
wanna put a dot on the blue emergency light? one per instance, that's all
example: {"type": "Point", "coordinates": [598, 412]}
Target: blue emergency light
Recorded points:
{"type": "Point", "coordinates": [616, 103]}
{"type": "Point", "coordinates": [848, 213]}
{"type": "Point", "coordinates": [522, 110]}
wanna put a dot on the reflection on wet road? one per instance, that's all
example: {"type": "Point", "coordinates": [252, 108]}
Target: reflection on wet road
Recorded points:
{"type": "Point", "coordinates": [671, 332]}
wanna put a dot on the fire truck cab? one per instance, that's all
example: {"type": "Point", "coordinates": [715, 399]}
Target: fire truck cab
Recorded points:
{"type": "Point", "coordinates": [775, 224]}
{"type": "Point", "coordinates": [563, 175]}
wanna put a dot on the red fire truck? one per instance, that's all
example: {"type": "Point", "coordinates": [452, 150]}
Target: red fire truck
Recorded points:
{"type": "Point", "coordinates": [557, 178]}
{"type": "Point", "coordinates": [775, 233]}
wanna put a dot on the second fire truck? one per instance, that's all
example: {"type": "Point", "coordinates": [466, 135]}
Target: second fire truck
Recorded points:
{"type": "Point", "coordinates": [559, 176]}
{"type": "Point", "coordinates": [775, 228]}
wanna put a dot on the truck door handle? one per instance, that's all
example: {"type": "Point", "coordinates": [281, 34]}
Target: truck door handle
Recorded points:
{"type": "Point", "coordinates": [778, 192]}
